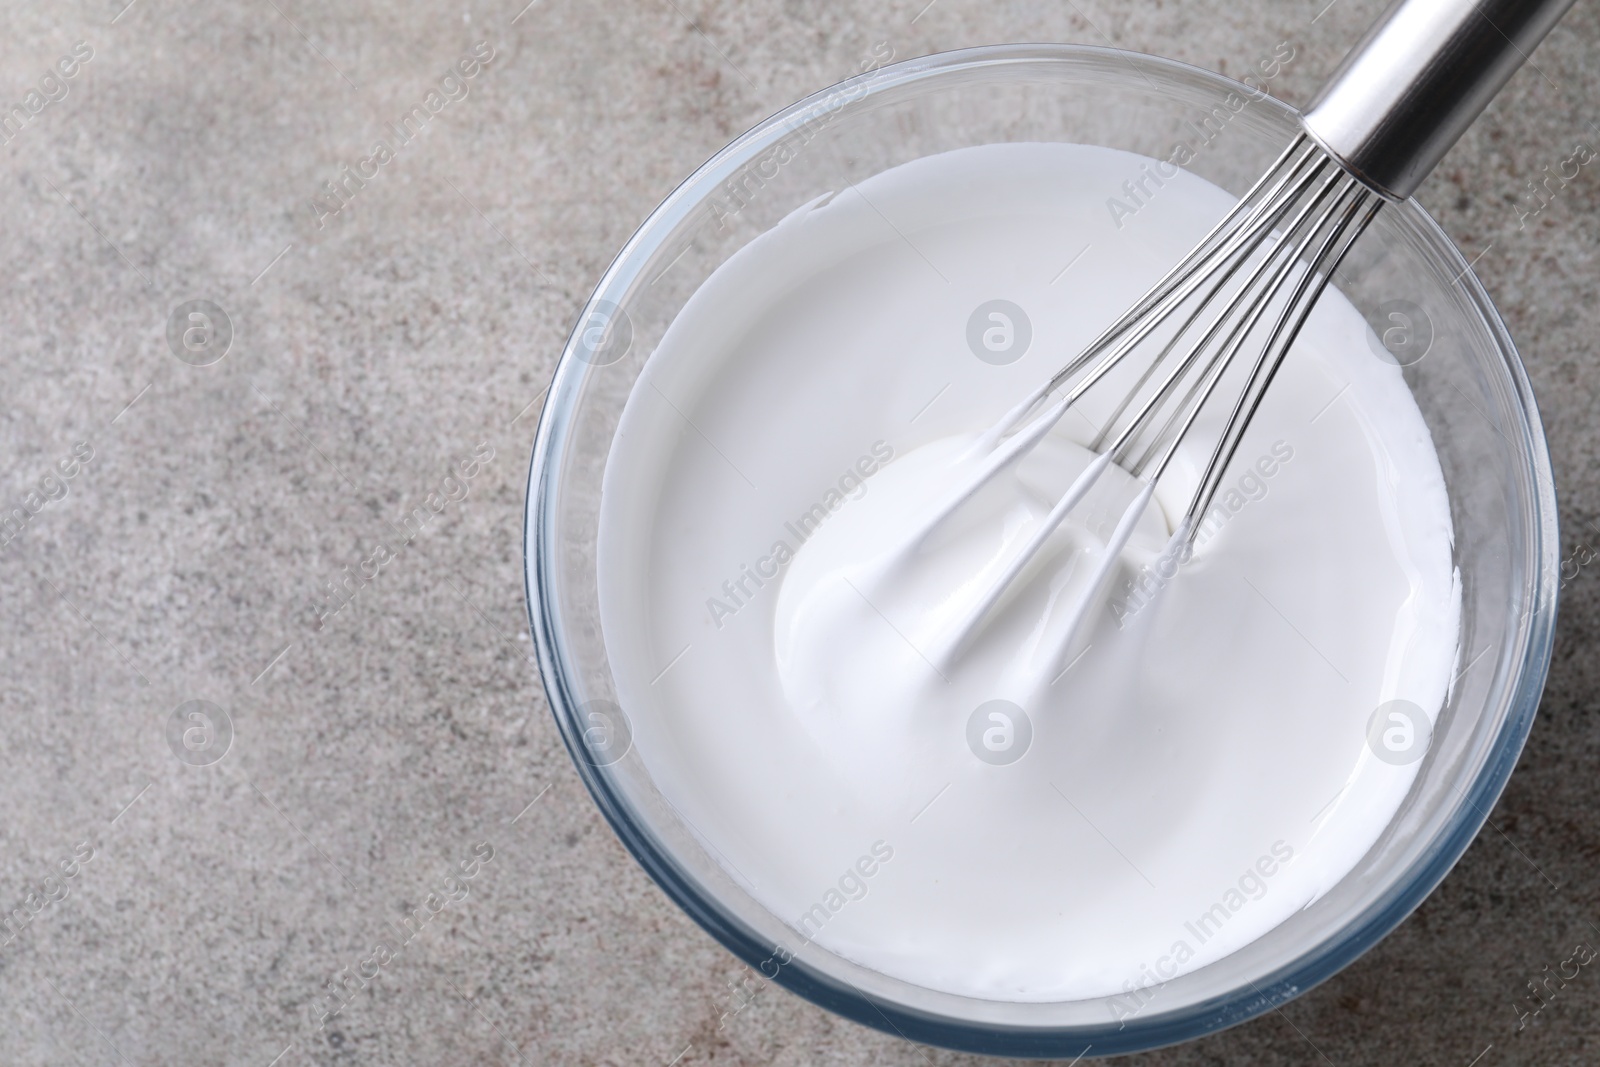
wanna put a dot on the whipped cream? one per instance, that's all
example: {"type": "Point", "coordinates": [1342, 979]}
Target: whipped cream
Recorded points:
{"type": "Point", "coordinates": [1070, 815]}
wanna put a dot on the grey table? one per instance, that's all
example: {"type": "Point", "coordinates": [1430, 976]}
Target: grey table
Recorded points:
{"type": "Point", "coordinates": [244, 746]}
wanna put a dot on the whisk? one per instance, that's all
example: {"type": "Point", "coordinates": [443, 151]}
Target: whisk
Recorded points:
{"type": "Point", "coordinates": [1394, 106]}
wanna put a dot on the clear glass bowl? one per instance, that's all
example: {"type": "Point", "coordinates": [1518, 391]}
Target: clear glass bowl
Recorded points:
{"type": "Point", "coordinates": [1471, 389]}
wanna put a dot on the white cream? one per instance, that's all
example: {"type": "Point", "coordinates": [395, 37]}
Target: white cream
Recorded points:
{"type": "Point", "coordinates": [1208, 748]}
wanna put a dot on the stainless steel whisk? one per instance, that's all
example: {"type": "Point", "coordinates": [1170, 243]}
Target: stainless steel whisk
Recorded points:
{"type": "Point", "coordinates": [1395, 105]}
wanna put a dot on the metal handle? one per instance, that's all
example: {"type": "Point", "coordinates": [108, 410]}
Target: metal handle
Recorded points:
{"type": "Point", "coordinates": [1418, 79]}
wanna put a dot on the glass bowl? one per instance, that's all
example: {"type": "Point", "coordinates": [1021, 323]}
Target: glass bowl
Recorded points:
{"type": "Point", "coordinates": [1459, 362]}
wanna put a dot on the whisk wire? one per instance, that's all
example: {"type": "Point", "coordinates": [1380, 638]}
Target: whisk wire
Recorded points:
{"type": "Point", "coordinates": [1267, 190]}
{"type": "Point", "coordinates": [1316, 277]}
{"type": "Point", "coordinates": [1137, 324]}
{"type": "Point", "coordinates": [1242, 313]}
{"type": "Point", "coordinates": [1277, 248]}
{"type": "Point", "coordinates": [1251, 312]}
{"type": "Point", "coordinates": [1237, 226]}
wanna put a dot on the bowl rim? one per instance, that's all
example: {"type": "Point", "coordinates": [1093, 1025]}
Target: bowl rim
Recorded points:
{"type": "Point", "coordinates": [1360, 933]}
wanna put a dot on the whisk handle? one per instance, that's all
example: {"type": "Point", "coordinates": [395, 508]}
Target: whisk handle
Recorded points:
{"type": "Point", "coordinates": [1421, 75]}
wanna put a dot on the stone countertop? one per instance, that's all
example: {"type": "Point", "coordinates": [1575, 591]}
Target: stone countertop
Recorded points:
{"type": "Point", "coordinates": [377, 349]}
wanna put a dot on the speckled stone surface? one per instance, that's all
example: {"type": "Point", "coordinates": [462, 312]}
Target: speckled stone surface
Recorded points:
{"type": "Point", "coordinates": [375, 351]}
